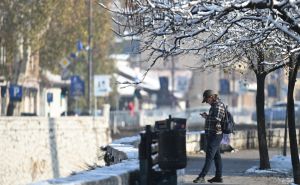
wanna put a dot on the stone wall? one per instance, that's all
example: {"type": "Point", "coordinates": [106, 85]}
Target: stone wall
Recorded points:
{"type": "Point", "coordinates": [125, 165]}
{"type": "Point", "coordinates": [244, 139]}
{"type": "Point", "coordinates": [39, 148]}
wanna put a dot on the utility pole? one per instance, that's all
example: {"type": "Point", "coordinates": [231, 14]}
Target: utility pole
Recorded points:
{"type": "Point", "coordinates": [90, 56]}
{"type": "Point", "coordinates": [173, 81]}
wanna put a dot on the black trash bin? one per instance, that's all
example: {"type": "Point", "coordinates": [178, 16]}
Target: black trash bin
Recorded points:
{"type": "Point", "coordinates": [172, 145]}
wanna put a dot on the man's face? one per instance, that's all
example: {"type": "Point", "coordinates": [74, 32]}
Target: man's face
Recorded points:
{"type": "Point", "coordinates": [209, 100]}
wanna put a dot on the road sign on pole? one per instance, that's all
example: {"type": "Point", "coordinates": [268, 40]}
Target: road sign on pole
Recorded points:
{"type": "Point", "coordinates": [65, 63]}
{"type": "Point", "coordinates": [101, 85]}
{"type": "Point", "coordinates": [77, 86]}
{"type": "Point", "coordinates": [49, 97]}
{"type": "Point", "coordinates": [15, 92]}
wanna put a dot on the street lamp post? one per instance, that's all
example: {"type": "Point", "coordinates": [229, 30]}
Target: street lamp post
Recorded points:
{"type": "Point", "coordinates": [90, 69]}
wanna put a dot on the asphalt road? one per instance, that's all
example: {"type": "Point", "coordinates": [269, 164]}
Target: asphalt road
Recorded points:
{"type": "Point", "coordinates": [234, 167]}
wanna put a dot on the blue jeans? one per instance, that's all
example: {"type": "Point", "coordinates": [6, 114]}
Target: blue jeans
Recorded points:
{"type": "Point", "coordinates": [213, 153]}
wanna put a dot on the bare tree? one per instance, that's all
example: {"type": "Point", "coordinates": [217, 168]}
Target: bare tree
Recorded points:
{"type": "Point", "coordinates": [174, 27]}
{"type": "Point", "coordinates": [293, 69]}
{"type": "Point", "coordinates": [259, 59]}
{"type": "Point", "coordinates": [48, 30]}
{"type": "Point", "coordinates": [20, 34]}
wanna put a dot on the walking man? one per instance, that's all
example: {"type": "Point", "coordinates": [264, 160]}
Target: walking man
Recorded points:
{"type": "Point", "coordinates": [214, 135]}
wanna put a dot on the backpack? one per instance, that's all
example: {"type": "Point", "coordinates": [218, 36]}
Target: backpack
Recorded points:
{"type": "Point", "coordinates": [228, 122]}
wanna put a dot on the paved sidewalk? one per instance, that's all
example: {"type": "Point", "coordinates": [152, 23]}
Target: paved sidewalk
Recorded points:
{"type": "Point", "coordinates": [234, 166]}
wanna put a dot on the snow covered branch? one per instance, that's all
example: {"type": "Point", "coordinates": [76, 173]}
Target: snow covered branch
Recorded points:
{"type": "Point", "coordinates": [215, 28]}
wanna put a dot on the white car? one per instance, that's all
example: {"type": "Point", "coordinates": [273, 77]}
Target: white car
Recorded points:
{"type": "Point", "coordinates": [277, 112]}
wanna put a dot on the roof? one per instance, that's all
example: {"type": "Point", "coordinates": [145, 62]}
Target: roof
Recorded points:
{"type": "Point", "coordinates": [127, 74]}
{"type": "Point", "coordinates": [55, 79]}
{"type": "Point", "coordinates": [126, 90]}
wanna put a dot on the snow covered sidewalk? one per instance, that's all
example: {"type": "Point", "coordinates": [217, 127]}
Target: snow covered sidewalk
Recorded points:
{"type": "Point", "coordinates": [241, 168]}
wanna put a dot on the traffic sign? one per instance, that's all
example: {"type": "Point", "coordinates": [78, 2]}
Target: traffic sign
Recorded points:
{"type": "Point", "coordinates": [49, 97]}
{"type": "Point", "coordinates": [15, 92]}
{"type": "Point", "coordinates": [77, 86]}
{"type": "Point", "coordinates": [65, 63]}
{"type": "Point", "coordinates": [102, 85]}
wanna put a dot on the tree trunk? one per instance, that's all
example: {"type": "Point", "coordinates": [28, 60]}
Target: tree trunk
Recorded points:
{"type": "Point", "coordinates": [10, 108]}
{"type": "Point", "coordinates": [22, 57]}
{"type": "Point", "coordinates": [294, 66]}
{"type": "Point", "coordinates": [261, 123]}
{"type": "Point", "coordinates": [285, 134]}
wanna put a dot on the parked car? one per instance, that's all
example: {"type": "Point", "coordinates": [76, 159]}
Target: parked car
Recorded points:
{"type": "Point", "coordinates": [277, 112]}
{"type": "Point", "coordinates": [28, 114]}
{"type": "Point", "coordinates": [73, 113]}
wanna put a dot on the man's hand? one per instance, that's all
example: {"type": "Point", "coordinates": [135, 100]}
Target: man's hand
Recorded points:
{"type": "Point", "coordinates": [203, 114]}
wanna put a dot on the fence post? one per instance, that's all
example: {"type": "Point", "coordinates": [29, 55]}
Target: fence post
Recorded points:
{"type": "Point", "coordinates": [141, 118]}
{"type": "Point", "coordinates": [145, 156]}
{"type": "Point", "coordinates": [106, 113]}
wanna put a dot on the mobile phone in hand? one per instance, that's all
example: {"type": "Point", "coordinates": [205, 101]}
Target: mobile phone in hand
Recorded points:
{"type": "Point", "coordinates": [203, 114]}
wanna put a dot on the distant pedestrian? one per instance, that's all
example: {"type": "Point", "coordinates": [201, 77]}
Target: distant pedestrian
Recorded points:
{"type": "Point", "coordinates": [214, 135]}
{"type": "Point", "coordinates": [131, 108]}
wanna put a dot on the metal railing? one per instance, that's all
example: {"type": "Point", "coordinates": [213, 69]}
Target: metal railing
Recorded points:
{"type": "Point", "coordinates": [126, 119]}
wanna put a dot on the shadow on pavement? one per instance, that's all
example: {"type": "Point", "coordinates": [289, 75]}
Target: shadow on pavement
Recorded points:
{"type": "Point", "coordinates": [234, 167]}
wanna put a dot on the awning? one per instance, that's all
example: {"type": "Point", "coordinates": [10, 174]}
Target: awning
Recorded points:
{"type": "Point", "coordinates": [126, 90]}
{"type": "Point", "coordinates": [55, 79]}
{"type": "Point", "coordinates": [150, 82]}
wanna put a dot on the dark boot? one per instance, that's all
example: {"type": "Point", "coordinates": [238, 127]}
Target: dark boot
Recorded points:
{"type": "Point", "coordinates": [215, 179]}
{"type": "Point", "coordinates": [199, 179]}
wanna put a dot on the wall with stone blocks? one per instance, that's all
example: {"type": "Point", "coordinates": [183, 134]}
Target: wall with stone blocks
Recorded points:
{"type": "Point", "coordinates": [123, 171]}
{"type": "Point", "coordinates": [39, 148]}
{"type": "Point", "coordinates": [125, 153]}
{"type": "Point", "coordinates": [246, 139]}
{"type": "Point", "coordinates": [126, 149]}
